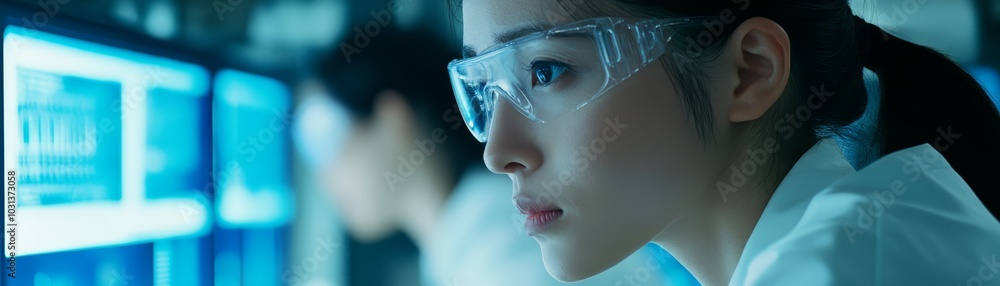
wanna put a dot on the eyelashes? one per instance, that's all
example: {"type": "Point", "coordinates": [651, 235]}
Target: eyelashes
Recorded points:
{"type": "Point", "coordinates": [546, 72]}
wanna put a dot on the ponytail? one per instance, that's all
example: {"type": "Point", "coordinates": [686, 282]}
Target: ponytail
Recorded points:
{"type": "Point", "coordinates": [928, 98]}
{"type": "Point", "coordinates": [925, 96]}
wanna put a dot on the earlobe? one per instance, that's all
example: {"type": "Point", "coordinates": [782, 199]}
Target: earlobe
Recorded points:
{"type": "Point", "coordinates": [762, 53]}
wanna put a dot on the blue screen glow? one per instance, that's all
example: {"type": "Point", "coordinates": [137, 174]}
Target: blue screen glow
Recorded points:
{"type": "Point", "coordinates": [108, 143]}
{"type": "Point", "coordinates": [252, 150]}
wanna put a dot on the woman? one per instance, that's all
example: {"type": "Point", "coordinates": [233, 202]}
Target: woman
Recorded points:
{"type": "Point", "coordinates": [400, 165]}
{"type": "Point", "coordinates": [707, 127]}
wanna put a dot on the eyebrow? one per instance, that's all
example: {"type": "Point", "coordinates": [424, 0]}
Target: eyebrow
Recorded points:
{"type": "Point", "coordinates": [508, 36]}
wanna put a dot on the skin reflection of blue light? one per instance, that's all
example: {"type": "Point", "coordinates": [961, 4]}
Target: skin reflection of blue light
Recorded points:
{"type": "Point", "coordinates": [110, 91]}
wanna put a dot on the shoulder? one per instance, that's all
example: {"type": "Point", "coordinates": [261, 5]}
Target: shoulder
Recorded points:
{"type": "Point", "coordinates": [907, 218]}
{"type": "Point", "coordinates": [914, 188]}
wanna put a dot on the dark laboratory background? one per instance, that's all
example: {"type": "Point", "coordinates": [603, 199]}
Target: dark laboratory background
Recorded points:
{"type": "Point", "coordinates": [196, 179]}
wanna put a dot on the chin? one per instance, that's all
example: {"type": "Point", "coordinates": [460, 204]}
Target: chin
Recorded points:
{"type": "Point", "coordinates": [569, 272]}
{"type": "Point", "coordinates": [572, 265]}
{"type": "Point", "coordinates": [563, 274]}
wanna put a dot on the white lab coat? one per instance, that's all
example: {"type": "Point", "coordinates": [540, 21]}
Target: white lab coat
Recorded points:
{"type": "Point", "coordinates": [906, 219]}
{"type": "Point", "coordinates": [480, 241]}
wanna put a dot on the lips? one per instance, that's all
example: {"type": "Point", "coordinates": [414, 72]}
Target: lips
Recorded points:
{"type": "Point", "coordinates": [541, 215]}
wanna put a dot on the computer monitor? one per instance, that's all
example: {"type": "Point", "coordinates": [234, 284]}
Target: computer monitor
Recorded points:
{"type": "Point", "coordinates": [252, 147]}
{"type": "Point", "coordinates": [109, 145]}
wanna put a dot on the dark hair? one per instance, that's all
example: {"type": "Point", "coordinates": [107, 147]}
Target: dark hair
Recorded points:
{"type": "Point", "coordinates": [413, 63]}
{"type": "Point", "coordinates": [924, 95]}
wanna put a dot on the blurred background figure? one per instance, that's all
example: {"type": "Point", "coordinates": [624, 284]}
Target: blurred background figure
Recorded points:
{"type": "Point", "coordinates": [298, 142]}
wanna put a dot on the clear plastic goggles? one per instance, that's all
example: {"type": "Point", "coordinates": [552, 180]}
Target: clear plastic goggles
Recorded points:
{"type": "Point", "coordinates": [547, 74]}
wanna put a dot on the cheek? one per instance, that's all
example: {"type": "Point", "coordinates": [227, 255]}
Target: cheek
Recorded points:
{"type": "Point", "coordinates": [635, 150]}
{"type": "Point", "coordinates": [636, 163]}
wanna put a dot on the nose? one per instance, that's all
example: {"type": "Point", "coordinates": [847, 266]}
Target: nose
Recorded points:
{"type": "Point", "coordinates": [511, 147]}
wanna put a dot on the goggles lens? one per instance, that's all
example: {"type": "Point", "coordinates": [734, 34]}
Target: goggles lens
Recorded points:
{"type": "Point", "coordinates": [546, 74]}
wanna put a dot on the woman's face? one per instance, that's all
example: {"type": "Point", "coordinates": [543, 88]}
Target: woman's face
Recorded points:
{"type": "Point", "coordinates": [621, 169]}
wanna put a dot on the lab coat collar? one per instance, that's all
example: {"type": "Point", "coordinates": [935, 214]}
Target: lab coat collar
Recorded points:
{"type": "Point", "coordinates": [819, 167]}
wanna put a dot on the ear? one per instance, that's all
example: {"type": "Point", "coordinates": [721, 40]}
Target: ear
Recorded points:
{"type": "Point", "coordinates": [393, 117]}
{"type": "Point", "coordinates": [762, 53]}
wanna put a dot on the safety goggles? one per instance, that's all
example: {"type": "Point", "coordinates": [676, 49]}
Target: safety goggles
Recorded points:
{"type": "Point", "coordinates": [549, 73]}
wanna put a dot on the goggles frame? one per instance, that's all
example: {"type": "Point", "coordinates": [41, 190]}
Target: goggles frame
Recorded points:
{"type": "Point", "coordinates": [624, 46]}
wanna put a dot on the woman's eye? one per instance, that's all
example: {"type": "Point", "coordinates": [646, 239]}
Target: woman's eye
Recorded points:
{"type": "Point", "coordinates": [545, 72]}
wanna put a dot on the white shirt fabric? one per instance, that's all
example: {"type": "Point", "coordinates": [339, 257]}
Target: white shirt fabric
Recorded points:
{"type": "Point", "coordinates": [481, 241]}
{"type": "Point", "coordinates": [906, 219]}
